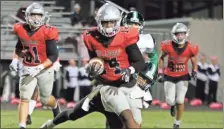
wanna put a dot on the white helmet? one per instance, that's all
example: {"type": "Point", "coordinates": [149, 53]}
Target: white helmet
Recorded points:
{"type": "Point", "coordinates": [178, 28]}
{"type": "Point", "coordinates": [35, 8]}
{"type": "Point", "coordinates": [108, 12]}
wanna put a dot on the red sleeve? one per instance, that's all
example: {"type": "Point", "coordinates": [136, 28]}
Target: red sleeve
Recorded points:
{"type": "Point", "coordinates": [194, 49]}
{"type": "Point", "coordinates": [163, 46]}
{"type": "Point", "coordinates": [51, 33]}
{"type": "Point", "coordinates": [131, 36]}
{"type": "Point", "coordinates": [16, 27]}
{"type": "Point", "coordinates": [86, 40]}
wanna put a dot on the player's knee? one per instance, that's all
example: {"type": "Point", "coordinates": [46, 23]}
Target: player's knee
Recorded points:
{"type": "Point", "coordinates": [180, 100]}
{"type": "Point", "coordinates": [25, 97]}
{"type": "Point", "coordinates": [170, 101]}
{"type": "Point", "coordinates": [44, 100]}
{"type": "Point", "coordinates": [24, 100]}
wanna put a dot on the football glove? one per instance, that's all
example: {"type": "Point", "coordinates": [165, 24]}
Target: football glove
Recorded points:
{"type": "Point", "coordinates": [160, 78]}
{"type": "Point", "coordinates": [94, 69]}
{"type": "Point", "coordinates": [14, 65]}
{"type": "Point", "coordinates": [194, 74]}
{"type": "Point", "coordinates": [126, 73]}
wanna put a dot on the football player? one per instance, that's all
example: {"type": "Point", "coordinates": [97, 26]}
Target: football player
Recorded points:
{"type": "Point", "coordinates": [115, 95]}
{"type": "Point", "coordinates": [176, 75]}
{"type": "Point", "coordinates": [37, 45]}
{"type": "Point", "coordinates": [32, 103]}
{"type": "Point", "coordinates": [146, 45]}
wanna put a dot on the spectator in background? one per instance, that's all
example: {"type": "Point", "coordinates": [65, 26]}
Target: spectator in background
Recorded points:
{"type": "Point", "coordinates": [21, 13]}
{"type": "Point", "coordinates": [91, 20]}
{"type": "Point", "coordinates": [214, 77]}
{"type": "Point", "coordinates": [201, 78]}
{"type": "Point", "coordinates": [85, 85]}
{"type": "Point", "coordinates": [132, 9]}
{"type": "Point", "coordinates": [76, 17]}
{"type": "Point", "coordinates": [11, 84]}
{"type": "Point", "coordinates": [72, 40]}
{"type": "Point", "coordinates": [82, 50]}
{"type": "Point", "coordinates": [72, 79]}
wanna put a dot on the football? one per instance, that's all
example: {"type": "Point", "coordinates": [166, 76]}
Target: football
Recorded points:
{"type": "Point", "coordinates": [97, 60]}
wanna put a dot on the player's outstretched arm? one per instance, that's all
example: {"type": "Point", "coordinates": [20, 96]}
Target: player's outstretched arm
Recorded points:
{"type": "Point", "coordinates": [161, 60]}
{"type": "Point", "coordinates": [160, 66]}
{"type": "Point", "coordinates": [194, 63]}
{"type": "Point", "coordinates": [194, 67]}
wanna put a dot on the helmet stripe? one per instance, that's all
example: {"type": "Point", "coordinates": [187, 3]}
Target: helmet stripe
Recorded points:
{"type": "Point", "coordinates": [135, 15]}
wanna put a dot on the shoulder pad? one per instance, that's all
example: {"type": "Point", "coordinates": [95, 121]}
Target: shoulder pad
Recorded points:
{"type": "Point", "coordinates": [147, 40]}
{"type": "Point", "coordinates": [164, 44]}
{"type": "Point", "coordinates": [17, 26]}
{"type": "Point", "coordinates": [131, 35]}
{"type": "Point", "coordinates": [194, 49]}
{"type": "Point", "coordinates": [51, 32]}
{"type": "Point", "coordinates": [86, 34]}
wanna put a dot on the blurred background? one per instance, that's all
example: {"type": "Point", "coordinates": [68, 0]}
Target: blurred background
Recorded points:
{"type": "Point", "coordinates": [203, 17]}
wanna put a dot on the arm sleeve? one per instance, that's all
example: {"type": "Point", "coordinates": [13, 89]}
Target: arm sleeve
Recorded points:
{"type": "Point", "coordinates": [153, 57]}
{"type": "Point", "coordinates": [210, 71]}
{"type": "Point", "coordinates": [201, 70]}
{"type": "Point", "coordinates": [52, 51]}
{"type": "Point", "coordinates": [194, 50]}
{"type": "Point", "coordinates": [135, 57]}
{"type": "Point", "coordinates": [91, 52]}
{"type": "Point", "coordinates": [218, 71]}
{"type": "Point", "coordinates": [163, 46]}
{"type": "Point", "coordinates": [19, 47]}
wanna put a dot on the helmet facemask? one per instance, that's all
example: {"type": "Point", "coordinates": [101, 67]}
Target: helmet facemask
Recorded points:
{"type": "Point", "coordinates": [109, 30]}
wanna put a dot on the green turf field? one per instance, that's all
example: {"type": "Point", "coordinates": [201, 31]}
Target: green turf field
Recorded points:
{"type": "Point", "coordinates": [151, 119]}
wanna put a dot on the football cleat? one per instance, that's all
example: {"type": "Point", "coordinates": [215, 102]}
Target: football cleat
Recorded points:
{"type": "Point", "coordinates": [28, 120]}
{"type": "Point", "coordinates": [48, 125]}
{"type": "Point", "coordinates": [175, 126]}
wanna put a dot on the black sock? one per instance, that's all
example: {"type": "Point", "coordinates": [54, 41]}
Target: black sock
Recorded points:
{"type": "Point", "coordinates": [71, 114]}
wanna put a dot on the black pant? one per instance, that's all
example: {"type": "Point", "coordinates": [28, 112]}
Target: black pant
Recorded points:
{"type": "Point", "coordinates": [77, 112]}
{"type": "Point", "coordinates": [213, 85]}
{"type": "Point", "coordinates": [200, 90]}
{"type": "Point", "coordinates": [70, 94]}
{"type": "Point", "coordinates": [84, 91]}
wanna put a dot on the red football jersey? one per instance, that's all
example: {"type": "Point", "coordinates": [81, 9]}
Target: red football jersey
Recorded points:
{"type": "Point", "coordinates": [177, 63]}
{"type": "Point", "coordinates": [114, 54]}
{"type": "Point", "coordinates": [36, 43]}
